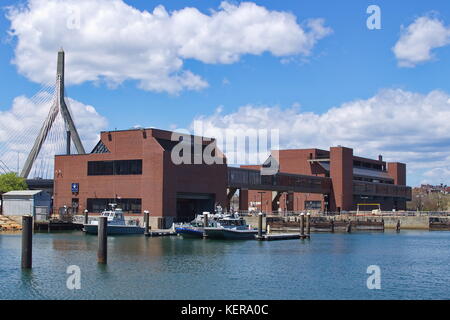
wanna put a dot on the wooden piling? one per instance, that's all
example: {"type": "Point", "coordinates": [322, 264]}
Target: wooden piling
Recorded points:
{"type": "Point", "coordinates": [86, 216]}
{"type": "Point", "coordinates": [302, 225]}
{"type": "Point", "coordinates": [397, 228]}
{"type": "Point", "coordinates": [27, 242]}
{"type": "Point", "coordinates": [260, 224]}
{"type": "Point", "coordinates": [308, 225]}
{"type": "Point", "coordinates": [332, 225]}
{"type": "Point", "coordinates": [102, 252]}
{"type": "Point", "coordinates": [205, 223]}
{"type": "Point", "coordinates": [147, 222]}
{"type": "Point", "coordinates": [349, 226]}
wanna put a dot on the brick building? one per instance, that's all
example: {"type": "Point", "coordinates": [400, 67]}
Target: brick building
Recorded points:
{"type": "Point", "coordinates": [133, 168]}
{"type": "Point", "coordinates": [354, 180]}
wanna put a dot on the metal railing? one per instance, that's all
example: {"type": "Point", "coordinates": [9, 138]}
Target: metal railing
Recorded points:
{"type": "Point", "coordinates": [347, 213]}
{"type": "Point", "coordinates": [252, 179]}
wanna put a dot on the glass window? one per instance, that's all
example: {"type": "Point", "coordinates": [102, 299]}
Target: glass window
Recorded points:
{"type": "Point", "coordinates": [115, 167]}
{"type": "Point", "coordinates": [127, 205]}
{"type": "Point", "coordinates": [313, 205]}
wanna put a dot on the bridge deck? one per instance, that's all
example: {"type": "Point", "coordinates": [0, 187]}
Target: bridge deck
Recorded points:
{"type": "Point", "coordinates": [283, 182]}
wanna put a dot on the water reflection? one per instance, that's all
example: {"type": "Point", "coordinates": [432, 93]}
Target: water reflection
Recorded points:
{"type": "Point", "coordinates": [329, 266]}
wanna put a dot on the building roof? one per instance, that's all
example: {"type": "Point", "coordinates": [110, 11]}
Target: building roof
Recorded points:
{"type": "Point", "coordinates": [362, 172]}
{"type": "Point", "coordinates": [22, 193]}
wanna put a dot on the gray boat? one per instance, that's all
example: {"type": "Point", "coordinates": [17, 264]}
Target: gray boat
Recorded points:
{"type": "Point", "coordinates": [195, 229]}
{"type": "Point", "coordinates": [231, 227]}
{"type": "Point", "coordinates": [116, 224]}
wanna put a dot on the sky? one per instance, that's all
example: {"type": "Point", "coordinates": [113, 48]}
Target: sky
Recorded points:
{"type": "Point", "coordinates": [312, 70]}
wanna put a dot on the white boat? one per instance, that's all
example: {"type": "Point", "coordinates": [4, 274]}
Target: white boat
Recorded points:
{"type": "Point", "coordinates": [116, 223]}
{"type": "Point", "coordinates": [195, 229]}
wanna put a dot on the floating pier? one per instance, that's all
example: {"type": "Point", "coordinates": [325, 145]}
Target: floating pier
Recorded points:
{"type": "Point", "coordinates": [326, 224]}
{"type": "Point", "coordinates": [56, 226]}
{"type": "Point", "coordinates": [161, 233]}
{"type": "Point", "coordinates": [281, 236]}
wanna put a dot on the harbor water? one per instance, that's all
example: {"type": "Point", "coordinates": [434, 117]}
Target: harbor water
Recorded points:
{"type": "Point", "coordinates": [413, 264]}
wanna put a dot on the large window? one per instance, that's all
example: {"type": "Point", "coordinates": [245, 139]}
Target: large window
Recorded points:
{"type": "Point", "coordinates": [114, 167]}
{"type": "Point", "coordinates": [313, 205]}
{"type": "Point", "coordinates": [127, 205]}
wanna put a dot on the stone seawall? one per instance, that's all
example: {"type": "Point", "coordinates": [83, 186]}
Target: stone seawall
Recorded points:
{"type": "Point", "coordinates": [419, 222]}
{"type": "Point", "coordinates": [390, 222]}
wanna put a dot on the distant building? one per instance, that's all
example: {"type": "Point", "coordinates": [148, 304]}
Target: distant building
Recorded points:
{"type": "Point", "coordinates": [354, 180]}
{"type": "Point", "coordinates": [428, 188]}
{"type": "Point", "coordinates": [135, 170]}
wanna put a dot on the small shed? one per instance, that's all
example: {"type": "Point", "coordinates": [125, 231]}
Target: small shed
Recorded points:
{"type": "Point", "coordinates": [27, 202]}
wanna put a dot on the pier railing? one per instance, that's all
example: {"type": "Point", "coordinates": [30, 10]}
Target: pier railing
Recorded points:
{"type": "Point", "coordinates": [351, 213]}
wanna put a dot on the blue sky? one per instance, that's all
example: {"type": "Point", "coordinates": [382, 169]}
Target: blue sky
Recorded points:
{"type": "Point", "coordinates": [349, 64]}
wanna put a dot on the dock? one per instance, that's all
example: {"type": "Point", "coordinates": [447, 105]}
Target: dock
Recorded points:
{"type": "Point", "coordinates": [56, 226]}
{"type": "Point", "coordinates": [161, 233]}
{"type": "Point", "coordinates": [281, 236]}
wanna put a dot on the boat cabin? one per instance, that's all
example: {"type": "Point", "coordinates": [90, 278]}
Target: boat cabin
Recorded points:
{"type": "Point", "coordinates": [232, 222]}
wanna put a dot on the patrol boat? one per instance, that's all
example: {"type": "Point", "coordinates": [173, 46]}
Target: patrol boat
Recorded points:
{"type": "Point", "coordinates": [195, 229]}
{"type": "Point", "coordinates": [231, 227]}
{"type": "Point", "coordinates": [116, 223]}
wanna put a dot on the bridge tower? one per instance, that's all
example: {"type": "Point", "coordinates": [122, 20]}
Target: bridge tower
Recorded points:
{"type": "Point", "coordinates": [59, 107]}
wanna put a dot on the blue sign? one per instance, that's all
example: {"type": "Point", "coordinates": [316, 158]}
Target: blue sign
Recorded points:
{"type": "Point", "coordinates": [75, 187]}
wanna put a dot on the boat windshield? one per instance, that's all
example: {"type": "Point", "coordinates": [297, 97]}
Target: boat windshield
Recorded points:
{"type": "Point", "coordinates": [232, 222]}
{"type": "Point", "coordinates": [113, 215]}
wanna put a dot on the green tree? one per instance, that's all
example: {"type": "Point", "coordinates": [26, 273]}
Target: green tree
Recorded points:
{"type": "Point", "coordinates": [10, 182]}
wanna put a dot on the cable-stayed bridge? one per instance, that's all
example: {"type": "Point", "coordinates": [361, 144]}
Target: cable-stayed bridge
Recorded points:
{"type": "Point", "coordinates": [28, 145]}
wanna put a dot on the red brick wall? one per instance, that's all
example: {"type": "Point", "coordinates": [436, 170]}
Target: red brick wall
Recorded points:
{"type": "Point", "coordinates": [296, 162]}
{"type": "Point", "coordinates": [397, 171]}
{"type": "Point", "coordinates": [341, 173]}
{"type": "Point", "coordinates": [296, 200]}
{"type": "Point", "coordinates": [158, 184]}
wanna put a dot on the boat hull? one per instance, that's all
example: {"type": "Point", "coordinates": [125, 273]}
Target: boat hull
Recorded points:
{"type": "Point", "coordinates": [230, 234]}
{"type": "Point", "coordinates": [114, 230]}
{"type": "Point", "coordinates": [187, 232]}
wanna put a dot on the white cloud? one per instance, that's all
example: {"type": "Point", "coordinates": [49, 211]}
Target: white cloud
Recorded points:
{"type": "Point", "coordinates": [19, 128]}
{"type": "Point", "coordinates": [419, 39]}
{"type": "Point", "coordinates": [111, 41]}
{"type": "Point", "coordinates": [437, 175]}
{"type": "Point", "coordinates": [403, 126]}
